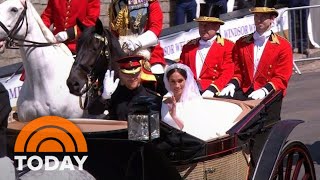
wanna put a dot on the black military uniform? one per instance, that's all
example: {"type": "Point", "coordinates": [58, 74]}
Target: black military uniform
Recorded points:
{"type": "Point", "coordinates": [5, 109]}
{"type": "Point", "coordinates": [121, 101]}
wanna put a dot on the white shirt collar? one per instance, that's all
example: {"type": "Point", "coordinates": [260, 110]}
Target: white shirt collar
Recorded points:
{"type": "Point", "coordinates": [207, 43]}
{"type": "Point", "coordinates": [264, 36]}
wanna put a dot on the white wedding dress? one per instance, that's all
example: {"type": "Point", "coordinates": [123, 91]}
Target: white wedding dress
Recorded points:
{"type": "Point", "coordinates": [203, 118]}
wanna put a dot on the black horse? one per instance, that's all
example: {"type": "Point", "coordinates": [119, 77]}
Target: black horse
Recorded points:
{"type": "Point", "coordinates": [97, 51]}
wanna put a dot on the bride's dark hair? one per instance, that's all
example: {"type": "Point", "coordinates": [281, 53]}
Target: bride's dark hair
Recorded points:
{"type": "Point", "coordinates": [179, 70]}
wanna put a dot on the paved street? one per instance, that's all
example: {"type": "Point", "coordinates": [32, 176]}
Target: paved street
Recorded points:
{"type": "Point", "coordinates": [302, 102]}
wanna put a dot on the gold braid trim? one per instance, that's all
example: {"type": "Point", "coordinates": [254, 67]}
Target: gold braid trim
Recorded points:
{"type": "Point", "coordinates": [119, 23]}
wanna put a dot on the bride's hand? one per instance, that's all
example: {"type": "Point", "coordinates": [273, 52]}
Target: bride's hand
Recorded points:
{"type": "Point", "coordinates": [172, 107]}
{"type": "Point", "coordinates": [172, 111]}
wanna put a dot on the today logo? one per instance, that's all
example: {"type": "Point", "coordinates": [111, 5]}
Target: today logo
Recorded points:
{"type": "Point", "coordinates": [52, 142]}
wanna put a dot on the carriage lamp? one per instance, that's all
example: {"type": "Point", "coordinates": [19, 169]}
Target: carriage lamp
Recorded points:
{"type": "Point", "coordinates": [143, 120]}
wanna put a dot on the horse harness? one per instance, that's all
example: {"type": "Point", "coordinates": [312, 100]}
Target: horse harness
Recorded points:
{"type": "Point", "coordinates": [92, 86]}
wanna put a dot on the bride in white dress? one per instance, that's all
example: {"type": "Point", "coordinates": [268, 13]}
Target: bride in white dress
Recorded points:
{"type": "Point", "coordinates": [185, 109]}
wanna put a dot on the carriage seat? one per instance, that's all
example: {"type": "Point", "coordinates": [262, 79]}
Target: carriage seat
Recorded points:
{"type": "Point", "coordinates": [226, 113]}
{"type": "Point", "coordinates": [213, 117]}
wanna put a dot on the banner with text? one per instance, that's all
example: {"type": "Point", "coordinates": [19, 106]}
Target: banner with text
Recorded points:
{"type": "Point", "coordinates": [13, 86]}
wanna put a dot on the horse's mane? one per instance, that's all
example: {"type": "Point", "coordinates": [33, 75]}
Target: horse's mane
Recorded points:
{"type": "Point", "coordinates": [88, 35]}
{"type": "Point", "coordinates": [45, 30]}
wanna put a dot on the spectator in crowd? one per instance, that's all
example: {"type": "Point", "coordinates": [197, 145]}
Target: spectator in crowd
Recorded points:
{"type": "Point", "coordinates": [299, 25]}
{"type": "Point", "coordinates": [210, 56]}
{"type": "Point", "coordinates": [222, 3]}
{"type": "Point", "coordinates": [62, 15]}
{"type": "Point", "coordinates": [5, 109]}
{"type": "Point", "coordinates": [185, 9]}
{"type": "Point", "coordinates": [146, 29]}
{"type": "Point", "coordinates": [118, 99]}
{"type": "Point", "coordinates": [263, 60]}
{"type": "Point", "coordinates": [241, 4]}
{"type": "Point", "coordinates": [6, 165]}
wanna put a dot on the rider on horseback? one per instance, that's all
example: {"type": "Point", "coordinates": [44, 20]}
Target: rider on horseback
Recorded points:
{"type": "Point", "coordinates": [138, 24]}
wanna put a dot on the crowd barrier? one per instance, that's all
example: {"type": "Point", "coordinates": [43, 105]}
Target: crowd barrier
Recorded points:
{"type": "Point", "coordinates": [303, 34]}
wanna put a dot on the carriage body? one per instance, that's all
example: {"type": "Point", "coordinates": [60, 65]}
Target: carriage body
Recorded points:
{"type": "Point", "coordinates": [256, 147]}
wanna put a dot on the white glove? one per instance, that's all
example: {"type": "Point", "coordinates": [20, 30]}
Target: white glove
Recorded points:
{"type": "Point", "coordinates": [147, 39]}
{"type": "Point", "coordinates": [259, 94]}
{"type": "Point", "coordinates": [61, 36]}
{"type": "Point", "coordinates": [157, 69]}
{"type": "Point", "coordinates": [131, 44]}
{"type": "Point", "coordinates": [109, 86]}
{"type": "Point", "coordinates": [229, 90]}
{"type": "Point", "coordinates": [208, 94]}
{"type": "Point", "coordinates": [143, 41]}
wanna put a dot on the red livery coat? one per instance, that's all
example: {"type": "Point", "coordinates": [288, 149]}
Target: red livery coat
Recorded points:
{"type": "Point", "coordinates": [218, 67]}
{"type": "Point", "coordinates": [154, 24]}
{"type": "Point", "coordinates": [275, 65]}
{"type": "Point", "coordinates": [62, 14]}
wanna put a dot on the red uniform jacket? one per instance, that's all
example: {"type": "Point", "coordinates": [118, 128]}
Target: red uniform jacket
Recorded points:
{"type": "Point", "coordinates": [154, 24]}
{"type": "Point", "coordinates": [275, 65]}
{"type": "Point", "coordinates": [62, 14]}
{"type": "Point", "coordinates": [218, 67]}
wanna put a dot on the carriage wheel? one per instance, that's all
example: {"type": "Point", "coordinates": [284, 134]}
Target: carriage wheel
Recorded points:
{"type": "Point", "coordinates": [294, 162]}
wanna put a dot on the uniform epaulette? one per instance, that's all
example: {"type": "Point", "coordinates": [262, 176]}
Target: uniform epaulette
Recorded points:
{"type": "Point", "coordinates": [274, 39]}
{"type": "Point", "coordinates": [193, 41]}
{"type": "Point", "coordinates": [247, 38]}
{"type": "Point", "coordinates": [220, 40]}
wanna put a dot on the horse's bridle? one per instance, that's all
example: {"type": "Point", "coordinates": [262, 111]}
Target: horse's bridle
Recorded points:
{"type": "Point", "coordinates": [12, 42]}
{"type": "Point", "coordinates": [91, 76]}
{"type": "Point", "coordinates": [104, 52]}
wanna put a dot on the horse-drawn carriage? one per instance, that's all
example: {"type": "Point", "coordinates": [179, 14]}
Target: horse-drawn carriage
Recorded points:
{"type": "Point", "coordinates": [254, 147]}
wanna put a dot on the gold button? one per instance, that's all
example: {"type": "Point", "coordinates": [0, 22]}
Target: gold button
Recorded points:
{"type": "Point", "coordinates": [67, 18]}
{"type": "Point", "coordinates": [65, 29]}
{"type": "Point", "coordinates": [216, 65]}
{"type": "Point", "coordinates": [270, 66]}
{"type": "Point", "coordinates": [215, 70]}
{"type": "Point", "coordinates": [268, 73]}
{"type": "Point", "coordinates": [213, 77]}
{"type": "Point", "coordinates": [199, 78]}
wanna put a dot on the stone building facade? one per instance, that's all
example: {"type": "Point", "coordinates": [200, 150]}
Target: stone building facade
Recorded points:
{"type": "Point", "coordinates": [13, 56]}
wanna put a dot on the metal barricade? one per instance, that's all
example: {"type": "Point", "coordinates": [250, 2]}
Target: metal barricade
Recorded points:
{"type": "Point", "coordinates": [300, 33]}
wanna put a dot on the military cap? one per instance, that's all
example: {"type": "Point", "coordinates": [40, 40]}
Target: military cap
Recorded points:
{"type": "Point", "coordinates": [130, 64]}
